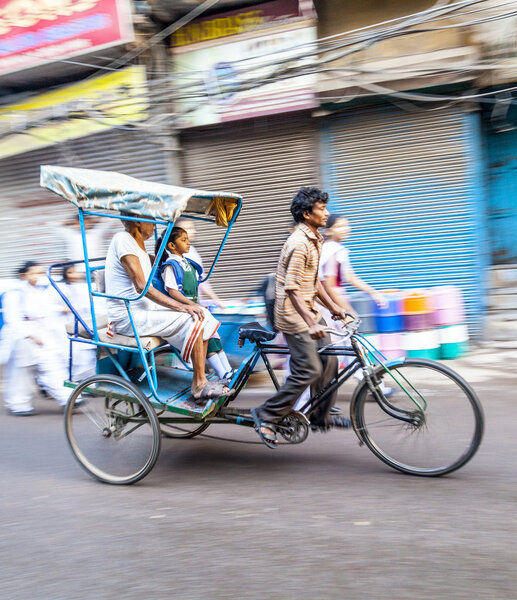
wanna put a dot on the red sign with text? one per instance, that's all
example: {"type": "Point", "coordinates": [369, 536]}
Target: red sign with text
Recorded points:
{"type": "Point", "coordinates": [34, 32]}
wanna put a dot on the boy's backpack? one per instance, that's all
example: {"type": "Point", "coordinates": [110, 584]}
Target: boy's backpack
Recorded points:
{"type": "Point", "coordinates": [178, 274]}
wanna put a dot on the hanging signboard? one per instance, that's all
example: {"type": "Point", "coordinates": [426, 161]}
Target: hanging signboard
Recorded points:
{"type": "Point", "coordinates": [74, 111]}
{"type": "Point", "coordinates": [33, 33]}
{"type": "Point", "coordinates": [240, 64]}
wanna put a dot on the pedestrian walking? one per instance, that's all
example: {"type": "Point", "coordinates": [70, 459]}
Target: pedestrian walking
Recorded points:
{"type": "Point", "coordinates": [30, 344]}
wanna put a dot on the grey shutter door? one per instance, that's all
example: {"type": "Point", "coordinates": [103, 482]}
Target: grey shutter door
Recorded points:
{"type": "Point", "coordinates": [265, 161]}
{"type": "Point", "coordinates": [32, 211]}
{"type": "Point", "coordinates": [411, 185]}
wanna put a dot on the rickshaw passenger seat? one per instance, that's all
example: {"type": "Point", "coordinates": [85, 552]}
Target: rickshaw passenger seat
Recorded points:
{"type": "Point", "coordinates": [254, 332]}
{"type": "Point", "coordinates": [148, 342]}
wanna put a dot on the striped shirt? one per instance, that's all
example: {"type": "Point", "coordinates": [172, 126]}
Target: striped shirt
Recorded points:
{"type": "Point", "coordinates": [297, 270]}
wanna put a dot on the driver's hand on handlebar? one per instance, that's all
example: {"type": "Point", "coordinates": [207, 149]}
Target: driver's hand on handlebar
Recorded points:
{"type": "Point", "coordinates": [317, 331]}
{"type": "Point", "coordinates": [195, 311]}
{"type": "Point", "coordinates": [342, 315]}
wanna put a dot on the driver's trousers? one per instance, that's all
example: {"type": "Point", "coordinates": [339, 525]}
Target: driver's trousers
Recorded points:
{"type": "Point", "coordinates": [307, 368]}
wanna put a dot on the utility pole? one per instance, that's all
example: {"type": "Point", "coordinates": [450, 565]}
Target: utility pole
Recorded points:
{"type": "Point", "coordinates": [156, 62]}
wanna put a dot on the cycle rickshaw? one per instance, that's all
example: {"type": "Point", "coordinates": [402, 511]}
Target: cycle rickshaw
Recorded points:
{"type": "Point", "coordinates": [430, 425]}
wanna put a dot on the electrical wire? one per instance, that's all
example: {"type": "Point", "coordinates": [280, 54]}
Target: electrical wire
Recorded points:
{"type": "Point", "coordinates": [192, 88]}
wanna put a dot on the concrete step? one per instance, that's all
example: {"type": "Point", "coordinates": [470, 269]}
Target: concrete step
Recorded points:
{"type": "Point", "coordinates": [501, 326]}
{"type": "Point", "coordinates": [503, 276]}
{"type": "Point", "coordinates": [503, 298]}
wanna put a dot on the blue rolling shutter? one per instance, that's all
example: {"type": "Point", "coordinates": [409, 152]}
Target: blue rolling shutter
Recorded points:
{"type": "Point", "coordinates": [502, 157]}
{"type": "Point", "coordinates": [411, 185]}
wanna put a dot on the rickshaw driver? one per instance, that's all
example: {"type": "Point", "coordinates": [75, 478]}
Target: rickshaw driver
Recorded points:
{"type": "Point", "coordinates": [297, 288]}
{"type": "Point", "coordinates": [127, 270]}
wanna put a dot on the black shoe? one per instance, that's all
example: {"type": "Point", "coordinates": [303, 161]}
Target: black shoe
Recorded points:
{"type": "Point", "coordinates": [22, 413]}
{"type": "Point", "coordinates": [335, 421]}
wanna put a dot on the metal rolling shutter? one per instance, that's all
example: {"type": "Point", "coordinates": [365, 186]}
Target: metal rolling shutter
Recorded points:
{"type": "Point", "coordinates": [411, 184]}
{"type": "Point", "coordinates": [31, 209]}
{"type": "Point", "coordinates": [265, 161]}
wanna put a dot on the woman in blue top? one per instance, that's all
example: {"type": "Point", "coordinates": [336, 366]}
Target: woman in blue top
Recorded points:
{"type": "Point", "coordinates": [178, 277]}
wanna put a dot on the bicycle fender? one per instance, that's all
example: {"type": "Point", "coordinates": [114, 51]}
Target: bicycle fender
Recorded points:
{"type": "Point", "coordinates": [359, 388]}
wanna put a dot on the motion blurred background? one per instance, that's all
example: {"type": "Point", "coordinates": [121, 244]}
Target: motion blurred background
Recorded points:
{"type": "Point", "coordinates": [404, 111]}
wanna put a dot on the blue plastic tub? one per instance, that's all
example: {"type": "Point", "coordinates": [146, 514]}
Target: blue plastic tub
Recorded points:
{"type": "Point", "coordinates": [389, 319]}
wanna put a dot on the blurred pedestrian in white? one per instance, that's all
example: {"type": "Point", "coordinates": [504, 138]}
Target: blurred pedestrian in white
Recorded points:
{"type": "Point", "coordinates": [335, 267]}
{"type": "Point", "coordinates": [335, 271]}
{"type": "Point", "coordinates": [75, 289]}
{"type": "Point", "coordinates": [29, 343]}
{"type": "Point", "coordinates": [96, 229]}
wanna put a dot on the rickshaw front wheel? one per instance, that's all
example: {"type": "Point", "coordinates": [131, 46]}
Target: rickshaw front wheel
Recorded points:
{"type": "Point", "coordinates": [112, 429]}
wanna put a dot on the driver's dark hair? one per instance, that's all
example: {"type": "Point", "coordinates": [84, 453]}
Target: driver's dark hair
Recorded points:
{"type": "Point", "coordinates": [304, 201]}
{"type": "Point", "coordinates": [174, 235]}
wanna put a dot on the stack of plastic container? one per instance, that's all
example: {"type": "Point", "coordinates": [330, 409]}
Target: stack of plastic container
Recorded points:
{"type": "Point", "coordinates": [449, 318]}
{"type": "Point", "coordinates": [420, 338]}
{"type": "Point", "coordinates": [426, 323]}
{"type": "Point", "coordinates": [390, 325]}
{"type": "Point", "coordinates": [365, 308]}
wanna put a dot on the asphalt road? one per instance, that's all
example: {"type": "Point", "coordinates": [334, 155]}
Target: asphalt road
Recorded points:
{"type": "Point", "coordinates": [222, 520]}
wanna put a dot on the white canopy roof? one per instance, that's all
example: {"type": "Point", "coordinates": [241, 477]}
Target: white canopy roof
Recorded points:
{"type": "Point", "coordinates": [106, 190]}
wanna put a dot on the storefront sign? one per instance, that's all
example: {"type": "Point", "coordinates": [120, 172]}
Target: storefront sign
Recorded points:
{"type": "Point", "coordinates": [74, 111]}
{"type": "Point", "coordinates": [35, 32]}
{"type": "Point", "coordinates": [244, 20]}
{"type": "Point", "coordinates": [227, 79]}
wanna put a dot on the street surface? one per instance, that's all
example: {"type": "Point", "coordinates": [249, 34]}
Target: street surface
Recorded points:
{"type": "Point", "coordinates": [221, 520]}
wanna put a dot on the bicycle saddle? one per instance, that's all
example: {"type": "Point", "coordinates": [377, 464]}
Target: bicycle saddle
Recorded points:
{"type": "Point", "coordinates": [254, 332]}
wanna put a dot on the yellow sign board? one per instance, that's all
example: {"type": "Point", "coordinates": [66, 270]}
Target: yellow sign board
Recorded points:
{"type": "Point", "coordinates": [74, 111]}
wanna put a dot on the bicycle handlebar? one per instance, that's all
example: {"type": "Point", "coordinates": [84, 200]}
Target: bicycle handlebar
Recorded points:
{"type": "Point", "coordinates": [348, 329]}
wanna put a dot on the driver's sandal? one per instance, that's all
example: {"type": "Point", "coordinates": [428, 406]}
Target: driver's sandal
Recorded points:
{"type": "Point", "coordinates": [267, 438]}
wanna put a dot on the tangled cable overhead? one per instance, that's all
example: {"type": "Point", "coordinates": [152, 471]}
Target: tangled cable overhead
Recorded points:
{"type": "Point", "coordinates": [169, 96]}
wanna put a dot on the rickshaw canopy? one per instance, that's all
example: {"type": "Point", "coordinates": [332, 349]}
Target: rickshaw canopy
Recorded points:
{"type": "Point", "coordinates": [92, 189]}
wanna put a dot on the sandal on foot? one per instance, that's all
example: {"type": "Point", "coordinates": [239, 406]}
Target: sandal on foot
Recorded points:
{"type": "Point", "coordinates": [269, 439]}
{"type": "Point", "coordinates": [212, 389]}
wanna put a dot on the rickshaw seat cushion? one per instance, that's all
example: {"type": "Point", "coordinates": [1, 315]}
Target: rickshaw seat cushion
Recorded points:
{"type": "Point", "coordinates": [148, 342]}
{"type": "Point", "coordinates": [254, 332]}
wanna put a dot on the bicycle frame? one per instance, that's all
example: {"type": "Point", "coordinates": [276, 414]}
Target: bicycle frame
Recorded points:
{"type": "Point", "coordinates": [360, 361]}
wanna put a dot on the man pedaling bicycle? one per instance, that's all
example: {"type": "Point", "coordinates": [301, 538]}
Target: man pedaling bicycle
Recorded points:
{"type": "Point", "coordinates": [297, 289]}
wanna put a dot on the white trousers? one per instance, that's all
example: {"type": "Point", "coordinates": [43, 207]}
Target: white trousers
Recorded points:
{"type": "Point", "coordinates": [178, 329]}
{"type": "Point", "coordinates": [25, 359]}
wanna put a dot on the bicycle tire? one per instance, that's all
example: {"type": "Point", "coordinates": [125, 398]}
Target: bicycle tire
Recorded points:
{"type": "Point", "coordinates": [112, 429]}
{"type": "Point", "coordinates": [445, 393]}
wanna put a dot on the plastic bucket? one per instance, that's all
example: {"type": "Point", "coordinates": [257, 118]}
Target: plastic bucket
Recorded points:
{"type": "Point", "coordinates": [389, 319]}
{"type": "Point", "coordinates": [391, 345]}
{"type": "Point", "coordinates": [422, 344]}
{"type": "Point", "coordinates": [447, 301]}
{"type": "Point", "coordinates": [454, 341]}
{"type": "Point", "coordinates": [365, 308]}
{"type": "Point", "coordinates": [419, 321]}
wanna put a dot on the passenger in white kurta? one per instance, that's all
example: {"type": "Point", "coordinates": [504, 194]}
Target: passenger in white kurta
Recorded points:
{"type": "Point", "coordinates": [187, 328]}
{"type": "Point", "coordinates": [30, 343]}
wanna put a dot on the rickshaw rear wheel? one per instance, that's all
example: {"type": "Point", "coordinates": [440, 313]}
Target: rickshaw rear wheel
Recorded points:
{"type": "Point", "coordinates": [112, 429]}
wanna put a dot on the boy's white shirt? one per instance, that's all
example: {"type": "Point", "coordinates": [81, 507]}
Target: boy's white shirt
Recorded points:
{"type": "Point", "coordinates": [169, 279]}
